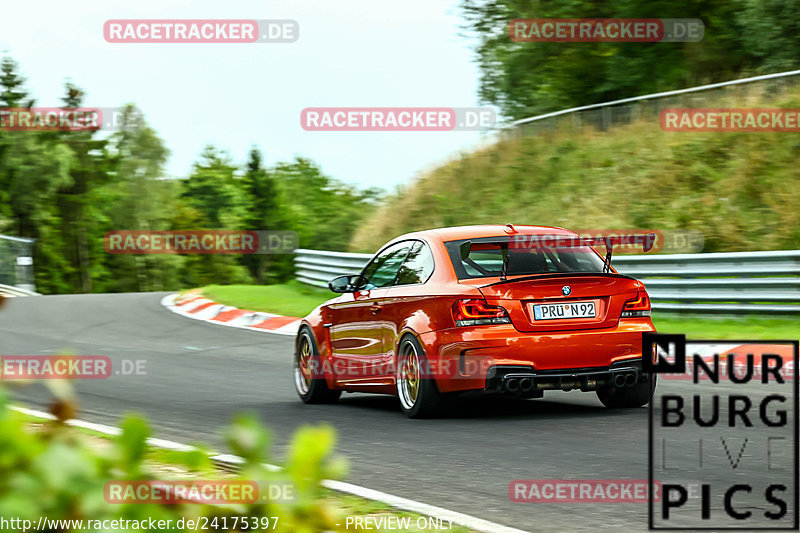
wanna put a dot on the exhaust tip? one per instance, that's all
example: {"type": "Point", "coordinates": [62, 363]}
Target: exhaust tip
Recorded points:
{"type": "Point", "coordinates": [526, 384]}
{"type": "Point", "coordinates": [619, 380]}
{"type": "Point", "coordinates": [512, 385]}
{"type": "Point", "coordinates": [630, 379]}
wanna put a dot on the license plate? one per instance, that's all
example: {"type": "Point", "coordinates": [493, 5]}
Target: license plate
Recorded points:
{"type": "Point", "coordinates": [564, 310]}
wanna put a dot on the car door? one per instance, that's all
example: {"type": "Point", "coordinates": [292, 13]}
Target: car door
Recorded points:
{"type": "Point", "coordinates": [357, 327]}
{"type": "Point", "coordinates": [406, 297]}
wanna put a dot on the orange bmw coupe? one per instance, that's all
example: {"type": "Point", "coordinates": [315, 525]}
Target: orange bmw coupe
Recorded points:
{"type": "Point", "coordinates": [514, 310]}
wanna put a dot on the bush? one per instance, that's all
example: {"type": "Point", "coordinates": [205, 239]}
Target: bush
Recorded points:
{"type": "Point", "coordinates": [55, 472]}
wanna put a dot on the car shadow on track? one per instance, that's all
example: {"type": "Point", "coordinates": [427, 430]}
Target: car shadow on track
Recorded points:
{"type": "Point", "coordinates": [484, 406]}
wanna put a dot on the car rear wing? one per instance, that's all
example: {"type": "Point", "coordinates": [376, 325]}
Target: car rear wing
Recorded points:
{"type": "Point", "coordinates": [516, 241]}
{"type": "Point", "coordinates": [645, 240]}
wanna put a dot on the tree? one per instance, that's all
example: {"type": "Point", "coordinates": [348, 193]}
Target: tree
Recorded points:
{"type": "Point", "coordinates": [78, 201]}
{"type": "Point", "coordinates": [68, 188]}
{"type": "Point", "coordinates": [139, 198]}
{"type": "Point", "coordinates": [527, 78]}
{"type": "Point", "coordinates": [214, 190]}
{"type": "Point", "coordinates": [325, 212]}
{"type": "Point", "coordinates": [212, 198]}
{"type": "Point", "coordinates": [33, 166]}
{"type": "Point", "coordinates": [266, 212]}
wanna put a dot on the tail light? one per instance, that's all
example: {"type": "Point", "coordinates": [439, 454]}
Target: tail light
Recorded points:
{"type": "Point", "coordinates": [639, 306]}
{"type": "Point", "coordinates": [478, 312]}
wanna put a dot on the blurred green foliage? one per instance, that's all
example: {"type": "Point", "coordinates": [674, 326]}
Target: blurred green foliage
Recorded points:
{"type": "Point", "coordinates": [742, 37]}
{"type": "Point", "coordinates": [67, 189]}
{"type": "Point", "coordinates": [56, 471]}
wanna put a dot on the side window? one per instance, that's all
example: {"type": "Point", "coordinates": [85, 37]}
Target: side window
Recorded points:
{"type": "Point", "coordinates": [418, 266]}
{"type": "Point", "coordinates": [383, 268]}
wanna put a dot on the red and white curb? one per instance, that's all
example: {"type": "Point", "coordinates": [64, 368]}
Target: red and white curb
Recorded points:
{"type": "Point", "coordinates": [194, 305]}
{"type": "Point", "coordinates": [234, 461]}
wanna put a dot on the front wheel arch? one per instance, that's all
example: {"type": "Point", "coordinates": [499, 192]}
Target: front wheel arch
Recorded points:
{"type": "Point", "coordinates": [311, 386]}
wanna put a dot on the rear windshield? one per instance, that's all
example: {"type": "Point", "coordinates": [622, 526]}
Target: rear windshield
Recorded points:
{"type": "Point", "coordinates": [485, 258]}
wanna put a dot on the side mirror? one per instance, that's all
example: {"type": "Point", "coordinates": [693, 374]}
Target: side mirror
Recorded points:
{"type": "Point", "coordinates": [346, 283]}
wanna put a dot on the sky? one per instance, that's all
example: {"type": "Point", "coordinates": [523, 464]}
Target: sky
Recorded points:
{"type": "Point", "coordinates": [350, 53]}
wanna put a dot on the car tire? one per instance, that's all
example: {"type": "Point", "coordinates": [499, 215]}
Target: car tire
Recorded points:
{"type": "Point", "coordinates": [419, 396]}
{"type": "Point", "coordinates": [627, 397]}
{"type": "Point", "coordinates": [306, 364]}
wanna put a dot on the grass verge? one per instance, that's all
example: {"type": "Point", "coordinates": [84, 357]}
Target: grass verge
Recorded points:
{"type": "Point", "coordinates": [735, 328]}
{"type": "Point", "coordinates": [734, 188]}
{"type": "Point", "coordinates": [289, 299]}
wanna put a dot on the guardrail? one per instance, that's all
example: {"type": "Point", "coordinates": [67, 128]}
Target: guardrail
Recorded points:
{"type": "Point", "coordinates": [8, 290]}
{"type": "Point", "coordinates": [741, 282]}
{"type": "Point", "coordinates": [604, 115]}
{"type": "Point", "coordinates": [16, 262]}
{"type": "Point", "coordinates": [318, 267]}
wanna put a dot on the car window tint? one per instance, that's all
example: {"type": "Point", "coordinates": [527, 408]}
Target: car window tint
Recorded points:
{"type": "Point", "coordinates": [485, 259]}
{"type": "Point", "coordinates": [418, 266]}
{"type": "Point", "coordinates": [489, 260]}
{"type": "Point", "coordinates": [382, 271]}
{"type": "Point", "coordinates": [518, 262]}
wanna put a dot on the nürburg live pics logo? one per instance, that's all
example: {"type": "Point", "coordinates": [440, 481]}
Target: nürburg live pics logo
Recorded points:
{"type": "Point", "coordinates": [723, 441]}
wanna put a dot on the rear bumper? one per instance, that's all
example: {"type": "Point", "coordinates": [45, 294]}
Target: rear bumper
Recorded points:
{"type": "Point", "coordinates": [527, 381]}
{"type": "Point", "coordinates": [474, 358]}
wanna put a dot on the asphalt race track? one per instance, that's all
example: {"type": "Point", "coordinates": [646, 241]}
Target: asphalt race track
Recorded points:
{"type": "Point", "coordinates": [199, 375]}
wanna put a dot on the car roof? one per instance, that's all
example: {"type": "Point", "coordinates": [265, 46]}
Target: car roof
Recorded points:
{"type": "Point", "coordinates": [480, 231]}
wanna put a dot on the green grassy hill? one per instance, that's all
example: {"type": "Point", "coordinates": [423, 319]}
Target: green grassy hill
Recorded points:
{"type": "Point", "coordinates": [741, 190]}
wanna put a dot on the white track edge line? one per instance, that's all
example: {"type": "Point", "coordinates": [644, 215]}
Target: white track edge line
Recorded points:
{"type": "Point", "coordinates": [398, 502]}
{"type": "Point", "coordinates": [461, 519]}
